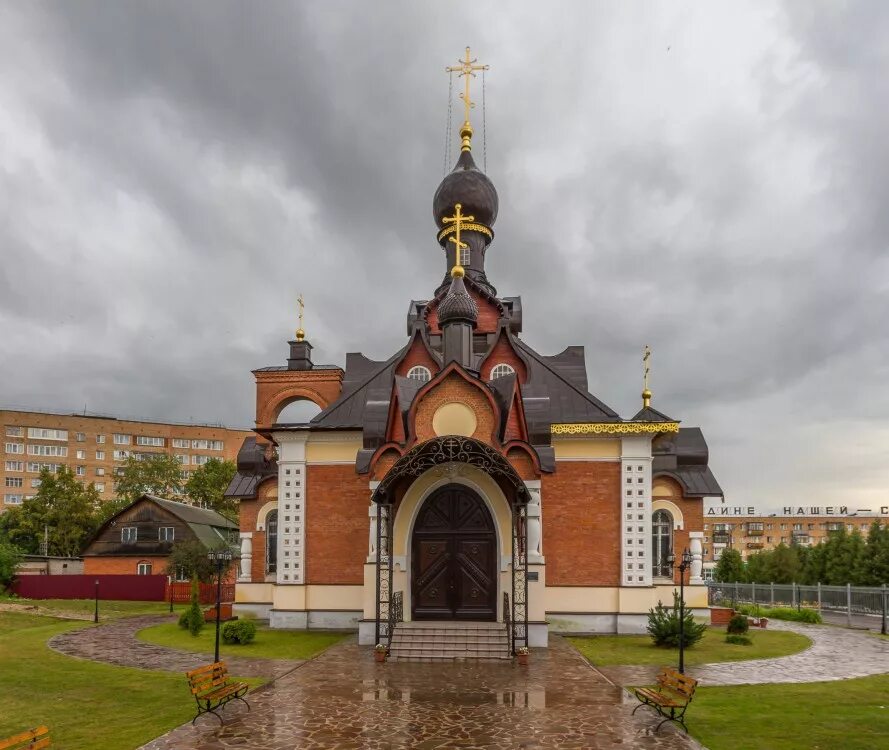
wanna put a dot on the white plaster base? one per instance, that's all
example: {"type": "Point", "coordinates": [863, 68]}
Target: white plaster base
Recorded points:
{"type": "Point", "coordinates": [366, 631]}
{"type": "Point", "coordinates": [538, 635]}
{"type": "Point", "coordinates": [334, 620]}
{"type": "Point", "coordinates": [288, 619]}
{"type": "Point", "coordinates": [259, 611]}
{"type": "Point", "coordinates": [605, 623]}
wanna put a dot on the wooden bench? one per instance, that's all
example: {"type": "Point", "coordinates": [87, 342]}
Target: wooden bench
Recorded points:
{"type": "Point", "coordinates": [33, 739]}
{"type": "Point", "coordinates": [212, 688]}
{"type": "Point", "coordinates": [670, 698]}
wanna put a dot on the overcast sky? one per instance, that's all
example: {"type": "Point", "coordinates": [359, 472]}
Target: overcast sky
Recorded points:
{"type": "Point", "coordinates": [709, 178]}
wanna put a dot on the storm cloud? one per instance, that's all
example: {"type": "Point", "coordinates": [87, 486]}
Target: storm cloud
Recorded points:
{"type": "Point", "coordinates": [711, 179]}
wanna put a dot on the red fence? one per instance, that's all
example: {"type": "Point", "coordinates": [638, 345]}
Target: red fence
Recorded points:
{"type": "Point", "coordinates": [207, 593]}
{"type": "Point", "coordinates": [127, 587]}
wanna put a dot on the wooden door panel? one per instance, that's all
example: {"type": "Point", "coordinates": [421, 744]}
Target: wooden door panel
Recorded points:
{"type": "Point", "coordinates": [476, 589]}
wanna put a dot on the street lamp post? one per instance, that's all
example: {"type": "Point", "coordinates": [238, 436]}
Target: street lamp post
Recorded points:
{"type": "Point", "coordinates": [684, 565]}
{"type": "Point", "coordinates": [96, 613]}
{"type": "Point", "coordinates": [220, 557]}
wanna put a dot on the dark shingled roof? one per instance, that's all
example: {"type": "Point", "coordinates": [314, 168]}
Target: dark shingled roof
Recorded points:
{"type": "Point", "coordinates": [648, 414]}
{"type": "Point", "coordinates": [557, 378]}
{"type": "Point", "coordinates": [684, 456]}
{"type": "Point", "coordinates": [457, 305]}
{"type": "Point", "coordinates": [191, 514]}
{"type": "Point", "coordinates": [253, 467]}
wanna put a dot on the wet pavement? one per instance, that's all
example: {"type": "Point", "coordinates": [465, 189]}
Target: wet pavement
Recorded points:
{"type": "Point", "coordinates": [835, 654]}
{"type": "Point", "coordinates": [116, 643]}
{"type": "Point", "coordinates": [343, 699]}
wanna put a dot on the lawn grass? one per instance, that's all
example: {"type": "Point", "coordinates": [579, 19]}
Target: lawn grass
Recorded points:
{"type": "Point", "coordinates": [108, 609]}
{"type": "Point", "coordinates": [87, 705]}
{"type": "Point", "coordinates": [608, 650]}
{"type": "Point", "coordinates": [269, 644]}
{"type": "Point", "coordinates": [848, 714]}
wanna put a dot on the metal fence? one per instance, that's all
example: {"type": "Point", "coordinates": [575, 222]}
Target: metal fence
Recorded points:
{"type": "Point", "coordinates": [849, 600]}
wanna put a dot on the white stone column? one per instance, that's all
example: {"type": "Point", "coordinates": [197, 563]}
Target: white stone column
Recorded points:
{"type": "Point", "coordinates": [246, 557]}
{"type": "Point", "coordinates": [635, 505]}
{"type": "Point", "coordinates": [695, 541]}
{"type": "Point", "coordinates": [534, 539]}
{"type": "Point", "coordinates": [292, 499]}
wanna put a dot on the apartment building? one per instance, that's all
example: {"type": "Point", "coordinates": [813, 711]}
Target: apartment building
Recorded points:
{"type": "Point", "coordinates": [95, 447]}
{"type": "Point", "coordinates": [753, 529]}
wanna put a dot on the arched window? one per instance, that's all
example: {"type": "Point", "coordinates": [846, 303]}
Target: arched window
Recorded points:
{"type": "Point", "coordinates": [420, 373]}
{"type": "Point", "coordinates": [502, 369]}
{"type": "Point", "coordinates": [271, 542]}
{"type": "Point", "coordinates": [661, 543]}
{"type": "Point", "coordinates": [143, 569]}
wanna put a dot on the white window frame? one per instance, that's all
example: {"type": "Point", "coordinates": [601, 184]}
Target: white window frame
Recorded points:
{"type": "Point", "coordinates": [80, 471]}
{"type": "Point", "coordinates": [12, 499]}
{"type": "Point", "coordinates": [15, 448]}
{"type": "Point", "coordinates": [503, 368]}
{"type": "Point", "coordinates": [420, 374]}
{"type": "Point", "coordinates": [100, 440]}
{"type": "Point", "coordinates": [100, 486]}
{"type": "Point", "coordinates": [199, 460]}
{"type": "Point", "coordinates": [100, 455]}
{"type": "Point", "coordinates": [15, 466]}
{"type": "Point", "coordinates": [150, 441]}
{"type": "Point", "coordinates": [216, 445]}
{"type": "Point", "coordinates": [143, 569]}
{"type": "Point", "coordinates": [181, 443]}
{"type": "Point", "coordinates": [15, 482]}
{"type": "Point", "coordinates": [13, 430]}
{"type": "Point", "coordinates": [201, 444]}
{"type": "Point", "coordinates": [122, 439]}
{"type": "Point", "coordinates": [47, 433]}
{"type": "Point", "coordinates": [129, 538]}
{"type": "Point", "coordinates": [163, 536]}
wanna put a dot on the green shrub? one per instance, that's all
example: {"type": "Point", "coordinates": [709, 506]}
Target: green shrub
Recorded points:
{"type": "Point", "coordinates": [194, 617]}
{"type": "Point", "coordinates": [794, 615]}
{"type": "Point", "coordinates": [663, 626]}
{"type": "Point", "coordinates": [738, 625]}
{"type": "Point", "coordinates": [239, 631]}
{"type": "Point", "coordinates": [739, 640]}
{"type": "Point", "coordinates": [183, 619]}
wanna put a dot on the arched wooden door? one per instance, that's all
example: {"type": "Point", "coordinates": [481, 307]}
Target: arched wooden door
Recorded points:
{"type": "Point", "coordinates": [454, 558]}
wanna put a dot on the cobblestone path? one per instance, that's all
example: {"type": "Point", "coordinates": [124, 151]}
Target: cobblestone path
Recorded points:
{"type": "Point", "coordinates": [343, 699]}
{"type": "Point", "coordinates": [116, 643]}
{"type": "Point", "coordinates": [835, 654]}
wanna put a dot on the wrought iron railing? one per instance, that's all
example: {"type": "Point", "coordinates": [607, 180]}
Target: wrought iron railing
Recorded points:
{"type": "Point", "coordinates": [384, 573]}
{"type": "Point", "coordinates": [396, 615]}
{"type": "Point", "coordinates": [519, 632]}
{"type": "Point", "coordinates": [506, 621]}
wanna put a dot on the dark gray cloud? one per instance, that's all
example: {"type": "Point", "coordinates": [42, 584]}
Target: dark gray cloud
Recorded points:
{"type": "Point", "coordinates": [707, 178]}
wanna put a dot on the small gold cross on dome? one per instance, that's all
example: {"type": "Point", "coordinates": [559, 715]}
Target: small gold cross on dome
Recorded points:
{"type": "Point", "coordinates": [457, 220]}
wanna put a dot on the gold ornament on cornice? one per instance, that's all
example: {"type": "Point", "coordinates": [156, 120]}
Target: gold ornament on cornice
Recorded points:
{"type": "Point", "coordinates": [466, 69]}
{"type": "Point", "coordinates": [467, 226]}
{"type": "Point", "coordinates": [613, 428]}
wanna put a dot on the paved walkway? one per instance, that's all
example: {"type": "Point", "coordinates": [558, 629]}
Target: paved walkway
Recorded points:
{"type": "Point", "coordinates": [835, 654]}
{"type": "Point", "coordinates": [343, 699]}
{"type": "Point", "coordinates": [116, 643]}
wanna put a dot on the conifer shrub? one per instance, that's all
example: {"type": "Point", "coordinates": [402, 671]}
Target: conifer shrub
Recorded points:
{"type": "Point", "coordinates": [739, 640]}
{"type": "Point", "coordinates": [738, 625]}
{"type": "Point", "coordinates": [663, 626]}
{"type": "Point", "coordinates": [239, 632]}
{"type": "Point", "coordinates": [193, 618]}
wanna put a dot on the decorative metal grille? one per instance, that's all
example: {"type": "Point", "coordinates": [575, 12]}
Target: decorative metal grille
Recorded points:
{"type": "Point", "coordinates": [396, 615]}
{"type": "Point", "coordinates": [507, 622]}
{"type": "Point", "coordinates": [519, 577]}
{"type": "Point", "coordinates": [384, 574]}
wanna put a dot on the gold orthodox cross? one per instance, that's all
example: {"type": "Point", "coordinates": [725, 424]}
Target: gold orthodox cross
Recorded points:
{"type": "Point", "coordinates": [646, 394]}
{"type": "Point", "coordinates": [300, 333]}
{"type": "Point", "coordinates": [467, 69]}
{"type": "Point", "coordinates": [457, 220]}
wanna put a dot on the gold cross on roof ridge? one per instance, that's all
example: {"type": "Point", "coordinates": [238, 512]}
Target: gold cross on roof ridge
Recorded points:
{"type": "Point", "coordinates": [457, 220]}
{"type": "Point", "coordinates": [300, 333]}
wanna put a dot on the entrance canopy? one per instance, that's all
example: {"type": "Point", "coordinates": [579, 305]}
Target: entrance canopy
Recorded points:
{"type": "Point", "coordinates": [447, 450]}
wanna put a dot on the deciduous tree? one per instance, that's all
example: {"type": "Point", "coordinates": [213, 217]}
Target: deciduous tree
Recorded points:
{"type": "Point", "coordinates": [159, 475]}
{"type": "Point", "coordinates": [206, 486]}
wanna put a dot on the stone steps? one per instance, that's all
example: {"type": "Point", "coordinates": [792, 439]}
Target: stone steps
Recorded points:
{"type": "Point", "coordinates": [449, 641]}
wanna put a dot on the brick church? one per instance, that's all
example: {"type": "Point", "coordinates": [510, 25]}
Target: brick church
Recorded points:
{"type": "Point", "coordinates": [467, 478]}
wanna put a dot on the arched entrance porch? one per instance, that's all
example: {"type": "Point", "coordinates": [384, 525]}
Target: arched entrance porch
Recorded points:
{"type": "Point", "coordinates": [446, 454]}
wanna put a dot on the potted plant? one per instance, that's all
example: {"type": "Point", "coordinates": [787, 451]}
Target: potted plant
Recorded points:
{"type": "Point", "coordinates": [763, 621]}
{"type": "Point", "coordinates": [380, 652]}
{"type": "Point", "coordinates": [522, 655]}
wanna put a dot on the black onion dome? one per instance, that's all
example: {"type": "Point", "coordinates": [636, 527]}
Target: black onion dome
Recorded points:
{"type": "Point", "coordinates": [457, 305]}
{"type": "Point", "coordinates": [470, 187]}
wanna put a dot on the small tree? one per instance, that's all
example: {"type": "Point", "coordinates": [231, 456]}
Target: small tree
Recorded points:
{"type": "Point", "coordinates": [663, 625]}
{"type": "Point", "coordinates": [729, 568]}
{"type": "Point", "coordinates": [158, 475]}
{"type": "Point", "coordinates": [207, 485]}
{"type": "Point", "coordinates": [188, 559]}
{"type": "Point", "coordinates": [10, 557]}
{"type": "Point", "coordinates": [195, 617]}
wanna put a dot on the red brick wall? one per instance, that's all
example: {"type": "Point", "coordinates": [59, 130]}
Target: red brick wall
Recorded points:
{"type": "Point", "coordinates": [122, 565]}
{"type": "Point", "coordinates": [581, 523]}
{"type": "Point", "coordinates": [417, 355]}
{"type": "Point", "coordinates": [336, 525]}
{"type": "Point", "coordinates": [503, 353]}
{"type": "Point", "coordinates": [455, 388]}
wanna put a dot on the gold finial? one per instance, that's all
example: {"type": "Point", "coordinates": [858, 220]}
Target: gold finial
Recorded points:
{"type": "Point", "coordinates": [300, 333]}
{"type": "Point", "coordinates": [646, 394]}
{"type": "Point", "coordinates": [457, 220]}
{"type": "Point", "coordinates": [466, 68]}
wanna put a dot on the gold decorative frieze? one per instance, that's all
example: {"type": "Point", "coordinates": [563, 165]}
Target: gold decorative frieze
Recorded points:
{"type": "Point", "coordinates": [466, 226]}
{"type": "Point", "coordinates": [613, 428]}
